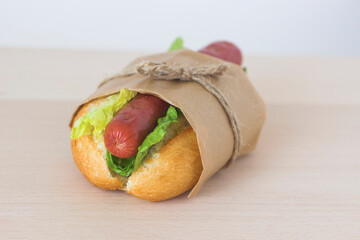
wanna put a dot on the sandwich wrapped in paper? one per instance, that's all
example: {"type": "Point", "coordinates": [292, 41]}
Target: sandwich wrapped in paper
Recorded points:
{"type": "Point", "coordinates": [216, 98]}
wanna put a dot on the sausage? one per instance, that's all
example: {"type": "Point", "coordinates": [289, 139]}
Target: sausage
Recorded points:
{"type": "Point", "coordinates": [128, 129]}
{"type": "Point", "coordinates": [224, 50]}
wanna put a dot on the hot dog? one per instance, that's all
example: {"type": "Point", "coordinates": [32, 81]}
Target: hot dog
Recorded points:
{"type": "Point", "coordinates": [107, 153]}
{"type": "Point", "coordinates": [128, 129]}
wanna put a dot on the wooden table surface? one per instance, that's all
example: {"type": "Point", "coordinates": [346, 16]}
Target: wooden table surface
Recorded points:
{"type": "Point", "coordinates": [302, 182]}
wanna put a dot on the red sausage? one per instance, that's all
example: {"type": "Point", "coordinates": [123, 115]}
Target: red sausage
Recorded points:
{"type": "Point", "coordinates": [223, 50]}
{"type": "Point", "coordinates": [128, 129]}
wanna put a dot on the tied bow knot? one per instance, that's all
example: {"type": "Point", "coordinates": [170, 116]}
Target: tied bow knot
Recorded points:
{"type": "Point", "coordinates": [163, 71]}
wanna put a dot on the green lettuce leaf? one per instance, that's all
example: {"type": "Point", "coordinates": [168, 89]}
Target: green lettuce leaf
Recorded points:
{"type": "Point", "coordinates": [155, 136]}
{"type": "Point", "coordinates": [177, 44]}
{"type": "Point", "coordinates": [125, 166]}
{"type": "Point", "coordinates": [95, 121]}
{"type": "Point", "coordinates": [121, 166]}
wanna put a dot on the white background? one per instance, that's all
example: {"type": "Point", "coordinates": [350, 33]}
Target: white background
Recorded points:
{"type": "Point", "coordinates": [260, 27]}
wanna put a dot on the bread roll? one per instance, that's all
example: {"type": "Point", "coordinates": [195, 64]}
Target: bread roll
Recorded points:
{"type": "Point", "coordinates": [172, 167]}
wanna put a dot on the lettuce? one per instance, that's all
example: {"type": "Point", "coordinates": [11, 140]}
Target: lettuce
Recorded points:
{"type": "Point", "coordinates": [125, 166]}
{"type": "Point", "coordinates": [121, 166]}
{"type": "Point", "coordinates": [155, 136]}
{"type": "Point", "coordinates": [95, 121]}
{"type": "Point", "coordinates": [177, 44]}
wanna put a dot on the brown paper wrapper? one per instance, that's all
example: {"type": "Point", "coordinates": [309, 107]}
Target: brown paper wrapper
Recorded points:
{"type": "Point", "coordinates": [204, 112]}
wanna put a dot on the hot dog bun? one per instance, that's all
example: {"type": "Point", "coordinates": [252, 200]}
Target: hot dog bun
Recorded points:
{"type": "Point", "coordinates": [172, 167]}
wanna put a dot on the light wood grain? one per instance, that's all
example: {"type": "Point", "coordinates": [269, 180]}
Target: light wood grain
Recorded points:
{"type": "Point", "coordinates": [302, 182]}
